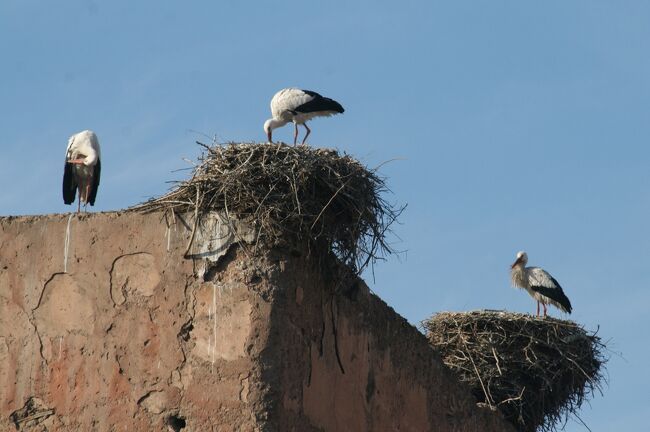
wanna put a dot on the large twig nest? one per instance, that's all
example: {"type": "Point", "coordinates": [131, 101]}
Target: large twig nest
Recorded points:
{"type": "Point", "coordinates": [291, 194]}
{"type": "Point", "coordinates": [536, 371]}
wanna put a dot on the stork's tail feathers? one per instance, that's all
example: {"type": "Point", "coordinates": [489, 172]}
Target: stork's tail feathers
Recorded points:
{"type": "Point", "coordinates": [332, 105]}
{"type": "Point", "coordinates": [561, 298]}
{"type": "Point", "coordinates": [554, 296]}
{"type": "Point", "coordinates": [564, 303]}
{"type": "Point", "coordinates": [95, 183]}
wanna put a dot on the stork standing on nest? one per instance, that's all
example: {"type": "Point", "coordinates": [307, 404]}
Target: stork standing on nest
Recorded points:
{"type": "Point", "coordinates": [298, 106]}
{"type": "Point", "coordinates": [82, 169]}
{"type": "Point", "coordinates": [539, 283]}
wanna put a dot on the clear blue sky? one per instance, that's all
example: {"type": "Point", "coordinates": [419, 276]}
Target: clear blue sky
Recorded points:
{"type": "Point", "coordinates": [519, 125]}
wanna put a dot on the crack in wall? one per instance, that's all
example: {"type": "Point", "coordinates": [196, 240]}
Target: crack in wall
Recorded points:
{"type": "Point", "coordinates": [183, 336]}
{"type": "Point", "coordinates": [145, 396]}
{"type": "Point", "coordinates": [309, 366]}
{"type": "Point", "coordinates": [32, 319]}
{"type": "Point", "coordinates": [126, 281]}
{"type": "Point", "coordinates": [321, 347]}
{"type": "Point", "coordinates": [40, 297]}
{"type": "Point", "coordinates": [120, 369]}
{"type": "Point", "coordinates": [336, 341]}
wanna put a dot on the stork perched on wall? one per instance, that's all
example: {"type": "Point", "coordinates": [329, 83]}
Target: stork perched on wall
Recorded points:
{"type": "Point", "coordinates": [82, 169]}
{"type": "Point", "coordinates": [298, 106]}
{"type": "Point", "coordinates": [539, 283]}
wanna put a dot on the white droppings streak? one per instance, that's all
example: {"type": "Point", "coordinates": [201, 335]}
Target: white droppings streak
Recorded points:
{"type": "Point", "coordinates": [168, 233]}
{"type": "Point", "coordinates": [66, 245]}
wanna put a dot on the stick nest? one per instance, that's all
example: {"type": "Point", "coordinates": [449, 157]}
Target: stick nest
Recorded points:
{"type": "Point", "coordinates": [536, 371]}
{"type": "Point", "coordinates": [290, 194]}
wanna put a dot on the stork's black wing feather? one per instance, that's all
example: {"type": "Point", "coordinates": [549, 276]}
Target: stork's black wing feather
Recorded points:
{"type": "Point", "coordinates": [319, 103]}
{"type": "Point", "coordinates": [554, 294]}
{"type": "Point", "coordinates": [69, 184]}
{"type": "Point", "coordinates": [93, 189]}
{"type": "Point", "coordinates": [312, 93]}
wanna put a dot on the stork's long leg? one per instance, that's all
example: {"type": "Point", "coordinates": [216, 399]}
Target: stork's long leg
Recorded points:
{"type": "Point", "coordinates": [307, 134]}
{"type": "Point", "coordinates": [537, 308]}
{"type": "Point", "coordinates": [544, 304]}
{"type": "Point", "coordinates": [295, 134]}
{"type": "Point", "coordinates": [87, 195]}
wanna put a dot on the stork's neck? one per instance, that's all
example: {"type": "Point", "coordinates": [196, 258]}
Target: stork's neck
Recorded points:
{"type": "Point", "coordinates": [518, 276]}
{"type": "Point", "coordinates": [91, 159]}
{"type": "Point", "coordinates": [274, 123]}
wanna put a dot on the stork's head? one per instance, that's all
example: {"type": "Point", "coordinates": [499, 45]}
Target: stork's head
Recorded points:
{"type": "Point", "coordinates": [91, 159]}
{"type": "Point", "coordinates": [522, 258]}
{"type": "Point", "coordinates": [268, 128]}
{"type": "Point", "coordinates": [271, 124]}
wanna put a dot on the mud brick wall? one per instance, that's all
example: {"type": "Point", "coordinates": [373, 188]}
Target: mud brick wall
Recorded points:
{"type": "Point", "coordinates": [105, 326]}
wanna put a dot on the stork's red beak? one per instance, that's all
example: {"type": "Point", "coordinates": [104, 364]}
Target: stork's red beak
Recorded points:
{"type": "Point", "coordinates": [515, 263]}
{"type": "Point", "coordinates": [269, 135]}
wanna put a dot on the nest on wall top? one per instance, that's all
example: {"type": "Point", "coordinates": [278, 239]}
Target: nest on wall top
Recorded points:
{"type": "Point", "coordinates": [290, 194]}
{"type": "Point", "coordinates": [536, 371]}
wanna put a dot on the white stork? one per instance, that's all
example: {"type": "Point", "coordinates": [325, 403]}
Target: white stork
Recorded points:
{"type": "Point", "coordinates": [539, 283]}
{"type": "Point", "coordinates": [298, 106]}
{"type": "Point", "coordinates": [82, 168]}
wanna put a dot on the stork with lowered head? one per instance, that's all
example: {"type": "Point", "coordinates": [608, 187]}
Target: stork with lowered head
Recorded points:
{"type": "Point", "coordinates": [298, 106]}
{"type": "Point", "coordinates": [82, 169]}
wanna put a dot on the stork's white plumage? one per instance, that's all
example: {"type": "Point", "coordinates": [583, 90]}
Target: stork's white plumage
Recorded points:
{"type": "Point", "coordinates": [539, 283]}
{"type": "Point", "coordinates": [298, 106]}
{"type": "Point", "coordinates": [82, 168]}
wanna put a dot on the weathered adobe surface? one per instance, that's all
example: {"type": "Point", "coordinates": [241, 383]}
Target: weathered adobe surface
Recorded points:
{"type": "Point", "coordinates": [129, 335]}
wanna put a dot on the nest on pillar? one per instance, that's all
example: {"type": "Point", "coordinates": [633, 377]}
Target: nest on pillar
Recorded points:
{"type": "Point", "coordinates": [536, 371]}
{"type": "Point", "coordinates": [314, 197]}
